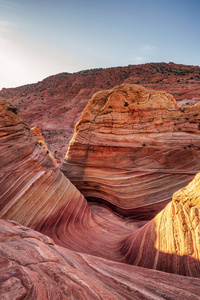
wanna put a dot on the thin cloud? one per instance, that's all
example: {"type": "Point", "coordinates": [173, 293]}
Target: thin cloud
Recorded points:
{"type": "Point", "coordinates": [5, 29]}
{"type": "Point", "coordinates": [139, 60]}
{"type": "Point", "coordinates": [4, 25]}
{"type": "Point", "coordinates": [9, 4]}
{"type": "Point", "coordinates": [149, 48]}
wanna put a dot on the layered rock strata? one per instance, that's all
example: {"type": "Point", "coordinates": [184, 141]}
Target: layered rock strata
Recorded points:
{"type": "Point", "coordinates": [56, 103]}
{"type": "Point", "coordinates": [170, 242]}
{"type": "Point", "coordinates": [35, 193]}
{"type": "Point", "coordinates": [34, 268]}
{"type": "Point", "coordinates": [31, 185]}
{"type": "Point", "coordinates": [133, 148]}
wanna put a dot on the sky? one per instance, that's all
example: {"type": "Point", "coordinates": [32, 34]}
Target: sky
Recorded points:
{"type": "Point", "coordinates": [45, 37]}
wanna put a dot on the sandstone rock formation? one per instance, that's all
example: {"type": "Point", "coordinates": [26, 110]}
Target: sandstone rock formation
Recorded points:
{"type": "Point", "coordinates": [34, 192]}
{"type": "Point", "coordinates": [170, 242]}
{"type": "Point", "coordinates": [55, 104]}
{"type": "Point", "coordinates": [36, 131]}
{"type": "Point", "coordinates": [28, 175]}
{"type": "Point", "coordinates": [133, 148]}
{"type": "Point", "coordinates": [34, 268]}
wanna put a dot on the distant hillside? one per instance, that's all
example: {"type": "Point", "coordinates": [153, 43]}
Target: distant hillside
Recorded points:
{"type": "Point", "coordinates": [56, 103]}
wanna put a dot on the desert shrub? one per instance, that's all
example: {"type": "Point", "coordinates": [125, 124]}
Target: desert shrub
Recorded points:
{"type": "Point", "coordinates": [13, 109]}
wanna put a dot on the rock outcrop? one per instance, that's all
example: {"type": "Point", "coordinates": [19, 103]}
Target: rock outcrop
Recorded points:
{"type": "Point", "coordinates": [31, 185]}
{"type": "Point", "coordinates": [36, 193]}
{"type": "Point", "coordinates": [36, 131]}
{"type": "Point", "coordinates": [56, 103]}
{"type": "Point", "coordinates": [170, 242]}
{"type": "Point", "coordinates": [133, 148]}
{"type": "Point", "coordinates": [34, 268]}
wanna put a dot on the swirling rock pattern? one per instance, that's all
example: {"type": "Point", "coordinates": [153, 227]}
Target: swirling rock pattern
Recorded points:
{"type": "Point", "coordinates": [170, 242]}
{"type": "Point", "coordinates": [34, 192]}
{"type": "Point", "coordinates": [31, 185]}
{"type": "Point", "coordinates": [133, 148]}
{"type": "Point", "coordinates": [33, 267]}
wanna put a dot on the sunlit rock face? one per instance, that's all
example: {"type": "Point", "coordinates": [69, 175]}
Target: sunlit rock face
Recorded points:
{"type": "Point", "coordinates": [133, 148]}
{"type": "Point", "coordinates": [34, 268]}
{"type": "Point", "coordinates": [36, 131]}
{"type": "Point", "coordinates": [170, 242]}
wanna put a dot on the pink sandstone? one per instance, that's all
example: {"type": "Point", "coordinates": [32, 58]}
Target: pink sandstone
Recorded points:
{"type": "Point", "coordinates": [34, 268]}
{"type": "Point", "coordinates": [133, 148]}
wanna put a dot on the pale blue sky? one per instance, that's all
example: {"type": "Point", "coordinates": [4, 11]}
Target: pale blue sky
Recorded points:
{"type": "Point", "coordinates": [44, 37]}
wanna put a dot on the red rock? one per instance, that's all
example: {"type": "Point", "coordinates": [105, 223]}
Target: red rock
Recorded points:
{"type": "Point", "coordinates": [36, 131]}
{"type": "Point", "coordinates": [36, 193]}
{"type": "Point", "coordinates": [56, 103]}
{"type": "Point", "coordinates": [133, 148]}
{"type": "Point", "coordinates": [34, 268]}
{"type": "Point", "coordinates": [32, 187]}
{"type": "Point", "coordinates": [170, 242]}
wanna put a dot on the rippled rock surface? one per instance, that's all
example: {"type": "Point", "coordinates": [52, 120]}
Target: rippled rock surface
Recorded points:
{"type": "Point", "coordinates": [36, 193]}
{"type": "Point", "coordinates": [133, 148]}
{"type": "Point", "coordinates": [32, 187]}
{"type": "Point", "coordinates": [170, 242]}
{"type": "Point", "coordinates": [34, 268]}
{"type": "Point", "coordinates": [82, 251]}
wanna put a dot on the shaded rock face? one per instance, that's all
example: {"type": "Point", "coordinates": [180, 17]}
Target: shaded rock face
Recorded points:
{"type": "Point", "coordinates": [55, 104]}
{"type": "Point", "coordinates": [33, 267]}
{"type": "Point", "coordinates": [133, 148]}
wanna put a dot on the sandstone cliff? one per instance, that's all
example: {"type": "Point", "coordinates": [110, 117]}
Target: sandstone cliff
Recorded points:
{"type": "Point", "coordinates": [36, 131]}
{"type": "Point", "coordinates": [133, 148]}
